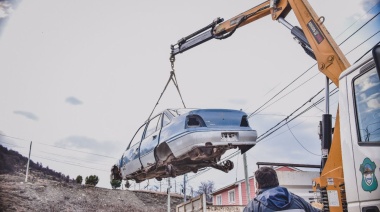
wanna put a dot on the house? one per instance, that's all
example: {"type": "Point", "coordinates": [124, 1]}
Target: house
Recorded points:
{"type": "Point", "coordinates": [295, 180]}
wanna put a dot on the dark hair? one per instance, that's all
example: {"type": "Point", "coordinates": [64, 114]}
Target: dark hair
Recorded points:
{"type": "Point", "coordinates": [266, 177]}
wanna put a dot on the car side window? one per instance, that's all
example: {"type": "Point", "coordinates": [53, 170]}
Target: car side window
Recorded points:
{"type": "Point", "coordinates": [367, 99]}
{"type": "Point", "coordinates": [166, 120]}
{"type": "Point", "coordinates": [138, 135]}
{"type": "Point", "coordinates": [153, 125]}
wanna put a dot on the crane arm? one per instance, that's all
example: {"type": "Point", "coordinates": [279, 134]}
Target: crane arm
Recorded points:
{"type": "Point", "coordinates": [312, 36]}
{"type": "Point", "coordinates": [316, 41]}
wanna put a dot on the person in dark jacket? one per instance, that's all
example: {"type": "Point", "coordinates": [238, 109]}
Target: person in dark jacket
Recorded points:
{"type": "Point", "coordinates": [272, 197]}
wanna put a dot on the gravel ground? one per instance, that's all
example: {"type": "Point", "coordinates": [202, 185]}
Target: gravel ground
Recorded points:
{"type": "Point", "coordinates": [42, 194]}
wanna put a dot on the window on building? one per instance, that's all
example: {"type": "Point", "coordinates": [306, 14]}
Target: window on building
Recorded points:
{"type": "Point", "coordinates": [219, 199]}
{"type": "Point", "coordinates": [231, 196]}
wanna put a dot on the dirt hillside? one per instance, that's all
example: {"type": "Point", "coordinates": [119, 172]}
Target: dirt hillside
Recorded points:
{"type": "Point", "coordinates": [44, 192]}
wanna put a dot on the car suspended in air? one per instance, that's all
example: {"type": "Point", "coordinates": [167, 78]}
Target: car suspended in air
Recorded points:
{"type": "Point", "coordinates": [178, 141]}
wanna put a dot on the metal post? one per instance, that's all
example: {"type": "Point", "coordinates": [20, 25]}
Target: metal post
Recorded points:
{"type": "Point", "coordinates": [204, 202]}
{"type": "Point", "coordinates": [327, 95]}
{"type": "Point", "coordinates": [246, 177]}
{"type": "Point", "coordinates": [184, 187]}
{"type": "Point", "coordinates": [169, 186]}
{"type": "Point", "coordinates": [326, 127]}
{"type": "Point", "coordinates": [27, 165]}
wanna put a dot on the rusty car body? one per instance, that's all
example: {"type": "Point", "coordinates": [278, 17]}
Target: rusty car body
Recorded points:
{"type": "Point", "coordinates": [178, 141]}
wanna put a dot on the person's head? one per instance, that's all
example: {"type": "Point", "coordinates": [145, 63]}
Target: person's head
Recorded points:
{"type": "Point", "coordinates": [266, 177]}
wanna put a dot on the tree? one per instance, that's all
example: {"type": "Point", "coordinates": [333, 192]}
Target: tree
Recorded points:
{"type": "Point", "coordinates": [115, 183]}
{"type": "Point", "coordinates": [79, 179]}
{"type": "Point", "coordinates": [92, 180]}
{"type": "Point", "coordinates": [206, 188]}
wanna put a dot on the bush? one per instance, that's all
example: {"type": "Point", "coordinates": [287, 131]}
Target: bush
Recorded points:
{"type": "Point", "coordinates": [92, 180]}
{"type": "Point", "coordinates": [79, 179]}
{"type": "Point", "coordinates": [115, 183]}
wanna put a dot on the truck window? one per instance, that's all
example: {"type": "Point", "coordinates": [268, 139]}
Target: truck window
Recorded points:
{"type": "Point", "coordinates": [367, 100]}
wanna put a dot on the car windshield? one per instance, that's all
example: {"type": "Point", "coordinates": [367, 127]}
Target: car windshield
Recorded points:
{"type": "Point", "coordinates": [178, 112]}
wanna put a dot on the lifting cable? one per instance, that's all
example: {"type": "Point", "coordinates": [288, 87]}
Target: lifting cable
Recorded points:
{"type": "Point", "coordinates": [173, 78]}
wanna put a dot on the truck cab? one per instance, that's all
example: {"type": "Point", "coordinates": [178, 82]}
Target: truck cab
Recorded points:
{"type": "Point", "coordinates": [359, 101]}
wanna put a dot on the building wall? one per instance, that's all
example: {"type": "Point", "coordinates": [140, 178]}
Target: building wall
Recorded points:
{"type": "Point", "coordinates": [298, 182]}
{"type": "Point", "coordinates": [244, 191]}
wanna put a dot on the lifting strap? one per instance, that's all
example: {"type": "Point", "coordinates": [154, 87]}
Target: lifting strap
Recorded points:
{"type": "Point", "coordinates": [174, 79]}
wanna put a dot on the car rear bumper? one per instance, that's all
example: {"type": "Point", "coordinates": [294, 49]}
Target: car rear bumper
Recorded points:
{"type": "Point", "coordinates": [190, 140]}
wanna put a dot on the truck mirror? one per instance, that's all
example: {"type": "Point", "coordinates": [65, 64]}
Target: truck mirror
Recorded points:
{"type": "Point", "coordinates": [376, 58]}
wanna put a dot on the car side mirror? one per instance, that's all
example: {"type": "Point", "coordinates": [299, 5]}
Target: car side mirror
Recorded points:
{"type": "Point", "coordinates": [376, 58]}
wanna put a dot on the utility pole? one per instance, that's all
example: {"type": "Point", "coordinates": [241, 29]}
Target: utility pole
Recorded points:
{"type": "Point", "coordinates": [204, 202]}
{"type": "Point", "coordinates": [169, 186]}
{"type": "Point", "coordinates": [184, 187]}
{"type": "Point", "coordinates": [246, 176]}
{"type": "Point", "coordinates": [27, 165]}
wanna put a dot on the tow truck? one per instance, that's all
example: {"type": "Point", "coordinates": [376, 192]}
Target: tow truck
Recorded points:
{"type": "Point", "coordinates": [350, 150]}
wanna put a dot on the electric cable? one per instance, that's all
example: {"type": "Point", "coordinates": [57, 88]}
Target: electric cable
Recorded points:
{"type": "Point", "coordinates": [278, 93]}
{"type": "Point", "coordinates": [292, 113]}
{"type": "Point", "coordinates": [359, 28]}
{"type": "Point", "coordinates": [366, 52]}
{"type": "Point", "coordinates": [58, 146]}
{"type": "Point", "coordinates": [260, 138]}
{"type": "Point", "coordinates": [362, 42]}
{"type": "Point", "coordinates": [289, 92]}
{"type": "Point", "coordinates": [237, 152]}
{"type": "Point", "coordinates": [253, 113]}
{"type": "Point", "coordinates": [287, 124]}
{"type": "Point", "coordinates": [63, 156]}
{"type": "Point", "coordinates": [356, 20]}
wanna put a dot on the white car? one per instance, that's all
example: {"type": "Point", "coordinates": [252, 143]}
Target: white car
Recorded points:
{"type": "Point", "coordinates": [178, 141]}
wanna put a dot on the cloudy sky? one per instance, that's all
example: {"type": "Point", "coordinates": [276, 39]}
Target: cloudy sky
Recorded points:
{"type": "Point", "coordinates": [79, 77]}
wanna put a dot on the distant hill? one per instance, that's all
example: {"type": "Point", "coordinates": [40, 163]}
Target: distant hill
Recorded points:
{"type": "Point", "coordinates": [48, 190]}
{"type": "Point", "coordinates": [12, 162]}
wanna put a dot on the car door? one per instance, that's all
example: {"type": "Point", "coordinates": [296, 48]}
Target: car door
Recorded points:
{"type": "Point", "coordinates": [130, 160]}
{"type": "Point", "coordinates": [150, 141]}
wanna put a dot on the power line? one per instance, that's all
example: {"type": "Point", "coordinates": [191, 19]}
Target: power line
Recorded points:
{"type": "Point", "coordinates": [65, 157]}
{"type": "Point", "coordinates": [278, 93]}
{"type": "Point", "coordinates": [260, 140]}
{"type": "Point", "coordinates": [300, 142]}
{"type": "Point", "coordinates": [70, 164]}
{"type": "Point", "coordinates": [360, 28]}
{"type": "Point", "coordinates": [59, 147]}
{"type": "Point", "coordinates": [363, 42]}
{"type": "Point", "coordinates": [289, 92]}
{"type": "Point", "coordinates": [291, 114]}
{"type": "Point", "coordinates": [366, 53]}
{"type": "Point", "coordinates": [357, 20]}
{"type": "Point", "coordinates": [276, 127]}
{"type": "Point", "coordinates": [253, 113]}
